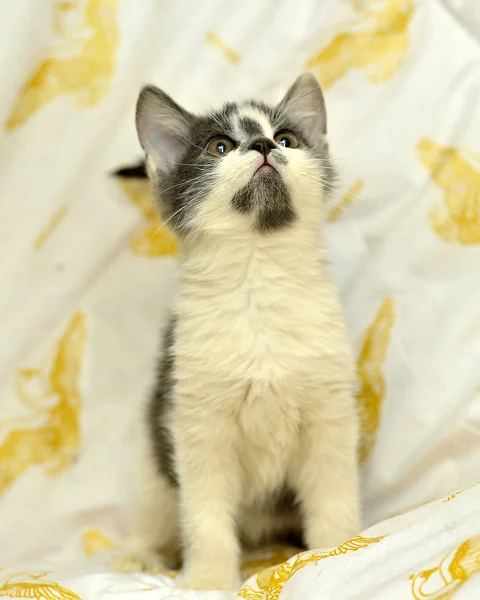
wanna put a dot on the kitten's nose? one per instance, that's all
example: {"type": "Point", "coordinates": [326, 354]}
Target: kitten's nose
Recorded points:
{"type": "Point", "coordinates": [262, 145]}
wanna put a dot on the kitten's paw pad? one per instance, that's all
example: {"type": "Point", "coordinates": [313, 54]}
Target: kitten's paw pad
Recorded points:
{"type": "Point", "coordinates": [145, 562]}
{"type": "Point", "coordinates": [208, 581]}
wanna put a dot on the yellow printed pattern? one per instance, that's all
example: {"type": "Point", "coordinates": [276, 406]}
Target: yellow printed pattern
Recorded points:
{"type": "Point", "coordinates": [51, 226]}
{"type": "Point", "coordinates": [155, 241]}
{"type": "Point", "coordinates": [456, 171]}
{"type": "Point", "coordinates": [441, 582]}
{"type": "Point", "coordinates": [82, 63]}
{"type": "Point", "coordinates": [52, 395]}
{"type": "Point", "coordinates": [452, 496]}
{"type": "Point", "coordinates": [346, 200]}
{"type": "Point", "coordinates": [369, 372]}
{"type": "Point", "coordinates": [253, 562]}
{"type": "Point", "coordinates": [230, 55]}
{"type": "Point", "coordinates": [32, 585]}
{"type": "Point", "coordinates": [377, 44]}
{"type": "Point", "coordinates": [269, 583]}
{"type": "Point", "coordinates": [269, 557]}
{"type": "Point", "coordinates": [95, 541]}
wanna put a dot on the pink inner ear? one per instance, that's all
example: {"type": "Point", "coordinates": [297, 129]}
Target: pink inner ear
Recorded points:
{"type": "Point", "coordinates": [165, 147]}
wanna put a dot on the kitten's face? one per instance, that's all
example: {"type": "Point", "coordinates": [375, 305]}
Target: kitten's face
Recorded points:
{"type": "Point", "coordinates": [246, 167]}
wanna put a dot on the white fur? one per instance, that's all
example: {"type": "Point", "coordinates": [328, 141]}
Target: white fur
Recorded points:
{"type": "Point", "coordinates": [264, 381]}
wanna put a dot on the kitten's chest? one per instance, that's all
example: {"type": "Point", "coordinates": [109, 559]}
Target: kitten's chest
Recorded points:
{"type": "Point", "coordinates": [265, 326]}
{"type": "Point", "coordinates": [269, 431]}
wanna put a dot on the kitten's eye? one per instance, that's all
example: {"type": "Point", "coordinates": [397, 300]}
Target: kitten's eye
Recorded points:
{"type": "Point", "coordinates": [286, 139]}
{"type": "Point", "coordinates": [220, 146]}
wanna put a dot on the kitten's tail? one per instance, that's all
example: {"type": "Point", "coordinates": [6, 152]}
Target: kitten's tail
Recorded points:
{"type": "Point", "coordinates": [136, 171]}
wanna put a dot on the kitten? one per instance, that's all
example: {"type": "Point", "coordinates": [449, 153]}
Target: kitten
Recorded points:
{"type": "Point", "coordinates": [252, 428]}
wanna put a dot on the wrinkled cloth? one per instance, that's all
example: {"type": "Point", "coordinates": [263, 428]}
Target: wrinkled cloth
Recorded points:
{"type": "Point", "coordinates": [88, 273]}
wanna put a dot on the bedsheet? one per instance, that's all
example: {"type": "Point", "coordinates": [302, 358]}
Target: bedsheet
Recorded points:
{"type": "Point", "coordinates": [88, 274]}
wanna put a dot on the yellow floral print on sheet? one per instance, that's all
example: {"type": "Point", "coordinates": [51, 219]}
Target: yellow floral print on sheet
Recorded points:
{"type": "Point", "coordinates": [452, 496]}
{"type": "Point", "coordinates": [456, 171]}
{"type": "Point", "coordinates": [82, 63]}
{"type": "Point", "coordinates": [377, 44]}
{"type": "Point", "coordinates": [214, 40]}
{"type": "Point", "coordinates": [95, 541]}
{"type": "Point", "coordinates": [269, 584]}
{"type": "Point", "coordinates": [370, 374]}
{"type": "Point", "coordinates": [352, 192]}
{"type": "Point", "coordinates": [50, 434]}
{"type": "Point", "coordinates": [50, 227]}
{"type": "Point", "coordinates": [252, 562]}
{"type": "Point", "coordinates": [155, 241]}
{"type": "Point", "coordinates": [265, 559]}
{"type": "Point", "coordinates": [441, 582]}
{"type": "Point", "coordinates": [33, 585]}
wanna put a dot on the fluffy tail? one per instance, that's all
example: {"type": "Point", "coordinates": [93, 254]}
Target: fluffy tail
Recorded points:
{"type": "Point", "coordinates": [137, 171]}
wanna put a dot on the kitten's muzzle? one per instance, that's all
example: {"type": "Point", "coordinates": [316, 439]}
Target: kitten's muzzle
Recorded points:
{"type": "Point", "coordinates": [266, 165]}
{"type": "Point", "coordinates": [262, 145]}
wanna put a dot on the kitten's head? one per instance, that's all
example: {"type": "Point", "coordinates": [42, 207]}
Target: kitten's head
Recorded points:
{"type": "Point", "coordinates": [245, 167]}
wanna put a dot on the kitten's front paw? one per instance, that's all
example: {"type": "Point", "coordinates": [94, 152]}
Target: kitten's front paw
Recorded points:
{"type": "Point", "coordinates": [331, 537]}
{"type": "Point", "coordinates": [147, 562]}
{"type": "Point", "coordinates": [208, 580]}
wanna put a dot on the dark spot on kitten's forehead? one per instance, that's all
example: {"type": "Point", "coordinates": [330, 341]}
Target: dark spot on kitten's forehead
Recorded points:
{"type": "Point", "coordinates": [226, 112]}
{"type": "Point", "coordinates": [204, 128]}
{"type": "Point", "coordinates": [268, 111]}
{"type": "Point", "coordinates": [250, 127]}
{"type": "Point", "coordinates": [279, 120]}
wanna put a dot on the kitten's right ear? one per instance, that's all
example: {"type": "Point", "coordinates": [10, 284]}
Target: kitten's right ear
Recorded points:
{"type": "Point", "coordinates": [163, 128]}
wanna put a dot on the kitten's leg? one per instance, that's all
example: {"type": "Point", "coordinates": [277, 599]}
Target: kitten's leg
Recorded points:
{"type": "Point", "coordinates": [209, 474]}
{"type": "Point", "coordinates": [155, 544]}
{"type": "Point", "coordinates": [326, 476]}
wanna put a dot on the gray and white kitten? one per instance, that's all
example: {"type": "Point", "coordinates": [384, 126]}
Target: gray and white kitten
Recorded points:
{"type": "Point", "coordinates": [252, 428]}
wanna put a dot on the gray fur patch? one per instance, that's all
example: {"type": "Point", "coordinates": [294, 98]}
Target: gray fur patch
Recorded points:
{"type": "Point", "coordinates": [250, 127]}
{"type": "Point", "coordinates": [160, 405]}
{"type": "Point", "coordinates": [279, 157]}
{"type": "Point", "coordinates": [268, 196]}
{"type": "Point", "coordinates": [182, 190]}
{"type": "Point", "coordinates": [244, 200]}
{"type": "Point", "coordinates": [276, 212]}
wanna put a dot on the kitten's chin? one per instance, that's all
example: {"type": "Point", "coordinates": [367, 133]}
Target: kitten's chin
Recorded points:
{"type": "Point", "coordinates": [266, 178]}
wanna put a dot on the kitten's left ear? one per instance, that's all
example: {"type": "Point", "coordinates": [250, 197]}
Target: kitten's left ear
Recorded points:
{"type": "Point", "coordinates": [163, 128]}
{"type": "Point", "coordinates": [304, 104]}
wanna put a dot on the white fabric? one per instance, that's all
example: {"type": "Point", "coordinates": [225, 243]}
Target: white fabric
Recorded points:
{"type": "Point", "coordinates": [85, 290]}
{"type": "Point", "coordinates": [428, 553]}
